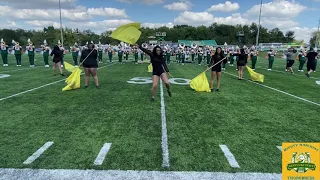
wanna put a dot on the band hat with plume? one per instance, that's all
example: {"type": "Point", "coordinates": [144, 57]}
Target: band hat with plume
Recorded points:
{"type": "Point", "coordinates": [2, 40]}
{"type": "Point", "coordinates": [45, 42]}
{"type": "Point", "coordinates": [29, 41]}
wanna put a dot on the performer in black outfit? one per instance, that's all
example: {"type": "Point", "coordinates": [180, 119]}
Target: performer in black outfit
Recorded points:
{"type": "Point", "coordinates": [242, 61]}
{"type": "Point", "coordinates": [216, 70]}
{"type": "Point", "coordinates": [312, 61]}
{"type": "Point", "coordinates": [57, 58]}
{"type": "Point", "coordinates": [90, 64]}
{"type": "Point", "coordinates": [160, 68]}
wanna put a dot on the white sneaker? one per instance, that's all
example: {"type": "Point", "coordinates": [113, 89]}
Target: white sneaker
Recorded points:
{"type": "Point", "coordinates": [4, 65]}
{"type": "Point", "coordinates": [61, 65]}
{"type": "Point", "coordinates": [254, 69]}
{"type": "Point", "coordinates": [76, 66]}
{"type": "Point", "coordinates": [301, 70]}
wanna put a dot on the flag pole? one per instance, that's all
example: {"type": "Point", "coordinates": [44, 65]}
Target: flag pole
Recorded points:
{"type": "Point", "coordinates": [258, 33]}
{"type": "Point", "coordinates": [61, 34]}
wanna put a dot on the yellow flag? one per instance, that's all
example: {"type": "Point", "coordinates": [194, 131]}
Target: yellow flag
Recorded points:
{"type": "Point", "coordinates": [200, 83]}
{"type": "Point", "coordinates": [128, 33]}
{"type": "Point", "coordinates": [150, 68]}
{"type": "Point", "coordinates": [255, 76]}
{"type": "Point", "coordinates": [73, 81]}
{"type": "Point", "coordinates": [69, 67]}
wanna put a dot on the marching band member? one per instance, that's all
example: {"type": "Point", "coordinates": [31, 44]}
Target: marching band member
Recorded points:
{"type": "Point", "coordinates": [160, 69]}
{"type": "Point", "coordinates": [141, 55]}
{"type": "Point", "coordinates": [200, 54]}
{"type": "Point", "coordinates": [231, 56]}
{"type": "Point", "coordinates": [237, 57]}
{"type": "Point", "coordinates": [30, 48]}
{"type": "Point", "coordinates": [17, 49]}
{"type": "Point", "coordinates": [183, 56]}
{"type": "Point", "coordinates": [63, 52]}
{"type": "Point", "coordinates": [75, 53]}
{"type": "Point", "coordinates": [208, 52]}
{"type": "Point", "coordinates": [179, 55]}
{"type": "Point", "coordinates": [216, 70]}
{"type": "Point", "coordinates": [312, 61]}
{"type": "Point", "coordinates": [168, 55]}
{"type": "Point", "coordinates": [120, 54]}
{"type": "Point", "coordinates": [271, 55]}
{"type": "Point", "coordinates": [254, 57]}
{"type": "Point", "coordinates": [136, 55]}
{"type": "Point", "coordinates": [45, 53]}
{"type": "Point", "coordinates": [193, 54]}
{"type": "Point", "coordinates": [225, 53]}
{"type": "Point", "coordinates": [100, 52]}
{"type": "Point", "coordinates": [110, 53]}
{"type": "Point", "coordinates": [205, 53]}
{"type": "Point", "coordinates": [302, 59]}
{"type": "Point", "coordinates": [127, 52]}
{"type": "Point", "coordinates": [4, 53]}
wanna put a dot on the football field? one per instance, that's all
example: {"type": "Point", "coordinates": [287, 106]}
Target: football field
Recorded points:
{"type": "Point", "coordinates": [115, 131]}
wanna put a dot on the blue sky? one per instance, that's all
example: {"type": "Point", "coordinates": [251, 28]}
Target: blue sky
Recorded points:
{"type": "Point", "coordinates": [300, 16]}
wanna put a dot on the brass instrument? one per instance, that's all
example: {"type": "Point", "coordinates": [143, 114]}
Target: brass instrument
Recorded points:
{"type": "Point", "coordinates": [145, 45]}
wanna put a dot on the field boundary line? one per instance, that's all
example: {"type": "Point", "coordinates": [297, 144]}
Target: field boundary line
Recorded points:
{"type": "Point", "coordinates": [64, 174]}
{"type": "Point", "coordinates": [30, 90]}
{"type": "Point", "coordinates": [164, 138]}
{"type": "Point", "coordinates": [297, 97]}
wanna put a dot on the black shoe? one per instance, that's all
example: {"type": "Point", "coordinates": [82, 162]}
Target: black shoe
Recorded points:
{"type": "Point", "coordinates": [308, 75]}
{"type": "Point", "coordinates": [212, 90]}
{"type": "Point", "coordinates": [85, 86]}
{"type": "Point", "coordinates": [98, 87]}
{"type": "Point", "coordinates": [62, 74]}
{"type": "Point", "coordinates": [169, 93]}
{"type": "Point", "coordinates": [152, 99]}
{"type": "Point", "coordinates": [217, 90]}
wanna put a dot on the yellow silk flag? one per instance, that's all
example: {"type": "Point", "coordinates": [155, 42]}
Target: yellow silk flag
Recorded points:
{"type": "Point", "coordinates": [150, 68]}
{"type": "Point", "coordinates": [73, 81]}
{"type": "Point", "coordinates": [200, 83]}
{"type": "Point", "coordinates": [69, 67]}
{"type": "Point", "coordinates": [255, 76]}
{"type": "Point", "coordinates": [128, 33]}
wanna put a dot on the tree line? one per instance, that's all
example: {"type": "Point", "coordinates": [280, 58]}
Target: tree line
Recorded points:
{"type": "Point", "coordinates": [220, 32]}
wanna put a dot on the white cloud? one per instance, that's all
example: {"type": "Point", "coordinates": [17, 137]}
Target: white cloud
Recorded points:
{"type": "Point", "coordinates": [302, 33]}
{"type": "Point", "coordinates": [78, 14]}
{"type": "Point", "coordinates": [109, 12]}
{"type": "Point", "coordinates": [226, 7]}
{"type": "Point", "coordinates": [149, 2]}
{"type": "Point", "coordinates": [99, 26]}
{"type": "Point", "coordinates": [157, 25]}
{"type": "Point", "coordinates": [39, 4]}
{"type": "Point", "coordinates": [9, 25]}
{"type": "Point", "coordinates": [179, 6]}
{"type": "Point", "coordinates": [278, 9]}
{"type": "Point", "coordinates": [194, 18]}
{"type": "Point", "coordinates": [40, 24]}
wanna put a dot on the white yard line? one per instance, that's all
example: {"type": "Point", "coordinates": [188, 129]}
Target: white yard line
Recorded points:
{"type": "Point", "coordinates": [30, 90]}
{"type": "Point", "coordinates": [279, 147]}
{"type": "Point", "coordinates": [231, 159]}
{"type": "Point", "coordinates": [102, 154]}
{"type": "Point", "coordinates": [18, 70]}
{"type": "Point", "coordinates": [297, 97]}
{"type": "Point", "coordinates": [63, 174]}
{"type": "Point", "coordinates": [283, 72]}
{"type": "Point", "coordinates": [164, 139]}
{"type": "Point", "coordinates": [38, 153]}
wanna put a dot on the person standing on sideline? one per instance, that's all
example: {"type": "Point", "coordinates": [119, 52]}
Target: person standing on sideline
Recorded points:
{"type": "Point", "coordinates": [4, 53]}
{"type": "Point", "coordinates": [311, 64]}
{"type": "Point", "coordinates": [216, 70]}
{"type": "Point", "coordinates": [90, 64]}
{"type": "Point", "coordinates": [160, 69]}
{"type": "Point", "coordinates": [57, 57]}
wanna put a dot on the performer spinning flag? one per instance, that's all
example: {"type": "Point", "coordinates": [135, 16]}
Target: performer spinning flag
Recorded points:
{"type": "Point", "coordinates": [160, 68]}
{"type": "Point", "coordinates": [216, 59]}
{"type": "Point", "coordinates": [57, 58]}
{"type": "Point", "coordinates": [90, 64]}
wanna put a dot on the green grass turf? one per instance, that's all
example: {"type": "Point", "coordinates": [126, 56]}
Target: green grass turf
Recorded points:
{"type": "Point", "coordinates": [251, 120]}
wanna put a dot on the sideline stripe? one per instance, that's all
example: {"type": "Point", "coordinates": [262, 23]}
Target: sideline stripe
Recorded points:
{"type": "Point", "coordinates": [40, 174]}
{"type": "Point", "coordinates": [38, 153]}
{"type": "Point", "coordinates": [164, 139]}
{"type": "Point", "coordinates": [279, 147]}
{"type": "Point", "coordinates": [102, 154]}
{"type": "Point", "coordinates": [278, 90]}
{"type": "Point", "coordinates": [231, 159]}
{"type": "Point", "coordinates": [30, 90]}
